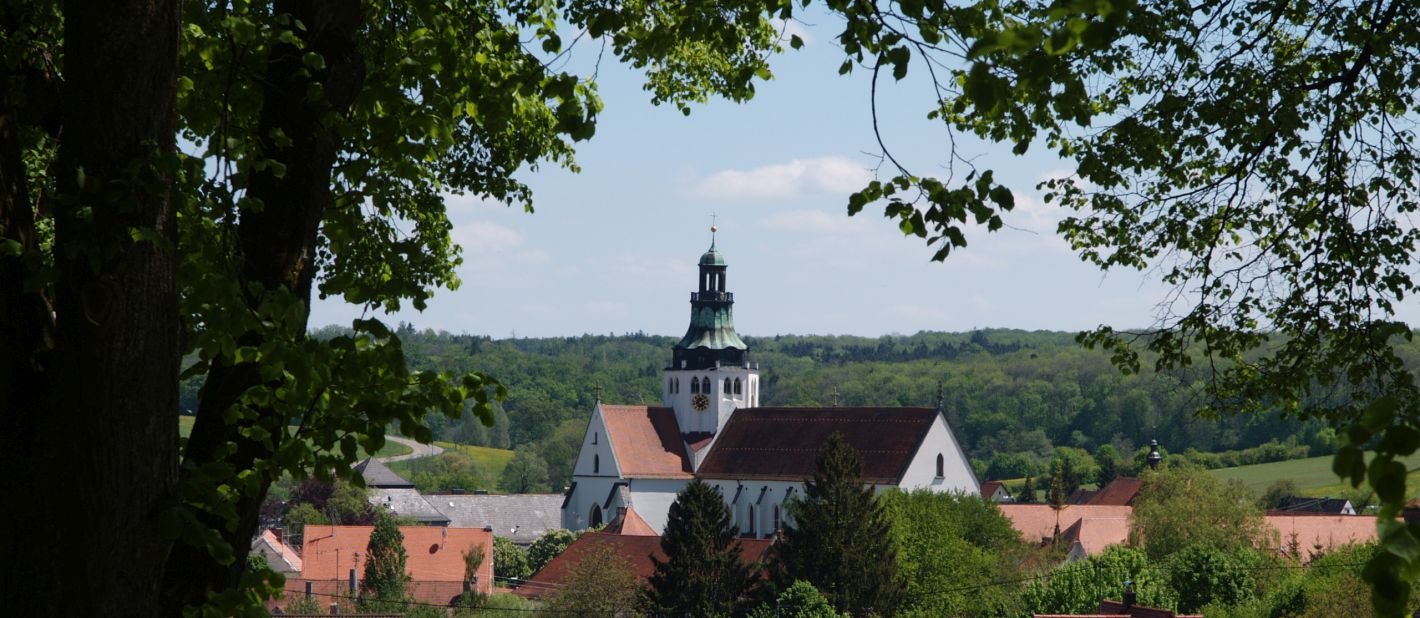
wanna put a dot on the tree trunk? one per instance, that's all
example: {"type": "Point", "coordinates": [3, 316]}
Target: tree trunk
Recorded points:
{"type": "Point", "coordinates": [277, 242]}
{"type": "Point", "coordinates": [87, 532]}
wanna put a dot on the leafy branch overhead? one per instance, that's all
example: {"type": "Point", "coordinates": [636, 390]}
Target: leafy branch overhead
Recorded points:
{"type": "Point", "coordinates": [1259, 157]}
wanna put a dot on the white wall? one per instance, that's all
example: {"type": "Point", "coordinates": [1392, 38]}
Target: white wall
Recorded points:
{"type": "Point", "coordinates": [922, 472]}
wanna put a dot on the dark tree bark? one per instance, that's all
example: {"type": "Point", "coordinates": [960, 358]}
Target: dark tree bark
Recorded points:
{"type": "Point", "coordinates": [277, 241]}
{"type": "Point", "coordinates": [87, 527]}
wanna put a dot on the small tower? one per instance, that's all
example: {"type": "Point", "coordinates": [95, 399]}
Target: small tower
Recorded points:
{"type": "Point", "coordinates": [710, 374]}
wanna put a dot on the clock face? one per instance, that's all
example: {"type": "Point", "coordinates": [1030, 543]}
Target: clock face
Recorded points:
{"type": "Point", "coordinates": [700, 402]}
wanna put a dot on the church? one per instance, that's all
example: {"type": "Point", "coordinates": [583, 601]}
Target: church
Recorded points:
{"type": "Point", "coordinates": [635, 458]}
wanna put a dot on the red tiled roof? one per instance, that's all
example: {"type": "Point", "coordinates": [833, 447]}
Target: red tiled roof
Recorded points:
{"type": "Point", "coordinates": [629, 523]}
{"type": "Point", "coordinates": [283, 550]}
{"type": "Point", "coordinates": [1093, 526]}
{"type": "Point", "coordinates": [1322, 529]}
{"type": "Point", "coordinates": [1120, 492]}
{"type": "Point", "coordinates": [635, 550]}
{"type": "Point", "coordinates": [1140, 611]}
{"type": "Point", "coordinates": [435, 554]}
{"type": "Point", "coordinates": [646, 441]}
{"type": "Point", "coordinates": [784, 443]}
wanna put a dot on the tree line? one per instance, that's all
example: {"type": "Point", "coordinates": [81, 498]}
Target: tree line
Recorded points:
{"type": "Point", "coordinates": [1013, 397]}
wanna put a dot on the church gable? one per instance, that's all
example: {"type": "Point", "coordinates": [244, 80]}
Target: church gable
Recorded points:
{"type": "Point", "coordinates": [646, 442]}
{"type": "Point", "coordinates": [783, 443]}
{"type": "Point", "coordinates": [597, 457]}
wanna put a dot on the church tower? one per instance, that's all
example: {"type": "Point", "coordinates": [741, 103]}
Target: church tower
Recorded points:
{"type": "Point", "coordinates": [710, 373]}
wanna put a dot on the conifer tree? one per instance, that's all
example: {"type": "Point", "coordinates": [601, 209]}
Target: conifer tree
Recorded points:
{"type": "Point", "coordinates": [703, 574]}
{"type": "Point", "coordinates": [1028, 491]}
{"type": "Point", "coordinates": [839, 538]}
{"type": "Point", "coordinates": [384, 584]}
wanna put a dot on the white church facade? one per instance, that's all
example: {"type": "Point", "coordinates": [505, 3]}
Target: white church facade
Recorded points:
{"type": "Point", "coordinates": [634, 459]}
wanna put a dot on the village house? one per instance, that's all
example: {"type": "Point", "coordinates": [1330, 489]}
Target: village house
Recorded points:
{"type": "Point", "coordinates": [333, 562]}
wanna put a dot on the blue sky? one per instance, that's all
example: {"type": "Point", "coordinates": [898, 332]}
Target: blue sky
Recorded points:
{"type": "Point", "coordinates": [613, 249]}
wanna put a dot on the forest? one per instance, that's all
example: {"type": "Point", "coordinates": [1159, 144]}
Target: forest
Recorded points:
{"type": "Point", "coordinates": [1012, 396]}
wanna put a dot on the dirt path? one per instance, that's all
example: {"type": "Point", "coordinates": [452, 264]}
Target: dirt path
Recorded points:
{"type": "Point", "coordinates": [418, 450]}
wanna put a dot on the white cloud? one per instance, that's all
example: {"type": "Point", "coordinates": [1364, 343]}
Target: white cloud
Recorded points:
{"type": "Point", "coordinates": [832, 174]}
{"type": "Point", "coordinates": [482, 237]}
{"type": "Point", "coordinates": [816, 222]}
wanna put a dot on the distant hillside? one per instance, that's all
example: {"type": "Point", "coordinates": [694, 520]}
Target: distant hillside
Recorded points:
{"type": "Point", "coordinates": [1007, 392]}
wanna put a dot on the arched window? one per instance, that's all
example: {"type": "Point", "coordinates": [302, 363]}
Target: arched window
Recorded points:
{"type": "Point", "coordinates": [595, 435]}
{"type": "Point", "coordinates": [753, 521]}
{"type": "Point", "coordinates": [595, 519]}
{"type": "Point", "coordinates": [727, 386]}
{"type": "Point", "coordinates": [778, 523]}
{"type": "Point", "coordinates": [694, 385]}
{"type": "Point", "coordinates": [941, 466]}
{"type": "Point", "coordinates": [670, 385]}
{"type": "Point", "coordinates": [737, 386]}
{"type": "Point", "coordinates": [705, 385]}
{"type": "Point", "coordinates": [596, 464]}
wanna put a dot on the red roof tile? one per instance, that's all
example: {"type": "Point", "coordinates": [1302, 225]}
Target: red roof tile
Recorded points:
{"type": "Point", "coordinates": [635, 550]}
{"type": "Point", "coordinates": [784, 443]}
{"type": "Point", "coordinates": [629, 523]}
{"type": "Point", "coordinates": [1120, 492]}
{"type": "Point", "coordinates": [1140, 611]}
{"type": "Point", "coordinates": [1095, 527]}
{"type": "Point", "coordinates": [646, 441]}
{"type": "Point", "coordinates": [1322, 529]}
{"type": "Point", "coordinates": [435, 554]}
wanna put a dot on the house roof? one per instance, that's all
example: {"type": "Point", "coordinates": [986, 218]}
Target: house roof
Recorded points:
{"type": "Point", "coordinates": [636, 551]}
{"type": "Point", "coordinates": [1322, 530]}
{"type": "Point", "coordinates": [281, 551]}
{"type": "Point", "coordinates": [407, 502]}
{"type": "Point", "coordinates": [646, 441]}
{"type": "Point", "coordinates": [629, 523]}
{"type": "Point", "coordinates": [520, 517]}
{"type": "Point", "coordinates": [1119, 492]}
{"type": "Point", "coordinates": [377, 474]}
{"type": "Point", "coordinates": [1140, 611]}
{"type": "Point", "coordinates": [784, 443]}
{"type": "Point", "coordinates": [1300, 504]}
{"type": "Point", "coordinates": [434, 553]}
{"type": "Point", "coordinates": [1093, 526]}
{"type": "Point", "coordinates": [989, 489]}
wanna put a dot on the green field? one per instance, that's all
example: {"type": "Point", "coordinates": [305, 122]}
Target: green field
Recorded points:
{"type": "Point", "coordinates": [1312, 475]}
{"type": "Point", "coordinates": [489, 461]}
{"type": "Point", "coordinates": [390, 449]}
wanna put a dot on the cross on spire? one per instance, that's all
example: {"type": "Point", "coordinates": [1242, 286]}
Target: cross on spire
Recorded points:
{"type": "Point", "coordinates": [939, 395]}
{"type": "Point", "coordinates": [597, 392]}
{"type": "Point", "coordinates": [835, 396]}
{"type": "Point", "coordinates": [714, 217]}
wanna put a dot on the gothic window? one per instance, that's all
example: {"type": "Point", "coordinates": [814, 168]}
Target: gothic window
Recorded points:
{"type": "Point", "coordinates": [705, 385]}
{"type": "Point", "coordinates": [753, 520]}
{"type": "Point", "coordinates": [941, 466]}
{"type": "Point", "coordinates": [778, 523]}
{"type": "Point", "coordinates": [737, 386]}
{"type": "Point", "coordinates": [595, 519]}
{"type": "Point", "coordinates": [727, 386]}
{"type": "Point", "coordinates": [596, 464]}
{"type": "Point", "coordinates": [670, 385]}
{"type": "Point", "coordinates": [694, 385]}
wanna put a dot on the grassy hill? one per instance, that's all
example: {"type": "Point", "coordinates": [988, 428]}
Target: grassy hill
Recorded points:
{"type": "Point", "coordinates": [490, 461]}
{"type": "Point", "coordinates": [390, 449]}
{"type": "Point", "coordinates": [1312, 475]}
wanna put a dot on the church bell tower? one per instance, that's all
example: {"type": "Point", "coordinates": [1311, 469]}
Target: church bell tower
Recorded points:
{"type": "Point", "coordinates": [710, 373]}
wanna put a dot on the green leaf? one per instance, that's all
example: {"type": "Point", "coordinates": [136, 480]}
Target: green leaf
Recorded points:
{"type": "Point", "coordinates": [313, 61]}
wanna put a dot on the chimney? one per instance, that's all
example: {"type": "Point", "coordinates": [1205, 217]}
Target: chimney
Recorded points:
{"type": "Point", "coordinates": [1129, 596]}
{"type": "Point", "coordinates": [1154, 456]}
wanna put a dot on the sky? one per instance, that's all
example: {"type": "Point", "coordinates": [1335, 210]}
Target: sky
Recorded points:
{"type": "Point", "coordinates": [613, 249]}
